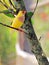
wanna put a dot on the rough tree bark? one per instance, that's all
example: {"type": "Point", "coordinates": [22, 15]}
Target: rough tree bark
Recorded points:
{"type": "Point", "coordinates": [36, 47]}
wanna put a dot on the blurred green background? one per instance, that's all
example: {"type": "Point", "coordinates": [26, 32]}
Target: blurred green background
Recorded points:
{"type": "Point", "coordinates": [8, 39]}
{"type": "Point", "coordinates": [41, 26]}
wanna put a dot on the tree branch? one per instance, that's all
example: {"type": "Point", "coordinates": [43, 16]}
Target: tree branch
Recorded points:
{"type": "Point", "coordinates": [10, 10]}
{"type": "Point", "coordinates": [36, 47]}
{"type": "Point", "coordinates": [13, 28]}
{"type": "Point", "coordinates": [12, 4]}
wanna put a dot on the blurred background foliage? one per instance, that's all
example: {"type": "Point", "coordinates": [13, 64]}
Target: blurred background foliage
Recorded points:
{"type": "Point", "coordinates": [41, 26]}
{"type": "Point", "coordinates": [7, 37]}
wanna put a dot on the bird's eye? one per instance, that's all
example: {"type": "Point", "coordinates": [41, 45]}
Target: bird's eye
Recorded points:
{"type": "Point", "coordinates": [24, 12]}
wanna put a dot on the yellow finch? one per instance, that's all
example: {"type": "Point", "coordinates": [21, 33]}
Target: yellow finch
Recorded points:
{"type": "Point", "coordinates": [19, 19]}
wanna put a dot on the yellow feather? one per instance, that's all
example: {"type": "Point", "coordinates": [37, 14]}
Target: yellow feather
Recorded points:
{"type": "Point", "coordinates": [17, 23]}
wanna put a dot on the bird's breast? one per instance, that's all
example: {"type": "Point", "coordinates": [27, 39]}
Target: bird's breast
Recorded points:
{"type": "Point", "coordinates": [17, 23]}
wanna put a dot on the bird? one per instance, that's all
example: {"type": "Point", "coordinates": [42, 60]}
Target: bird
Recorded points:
{"type": "Point", "coordinates": [19, 19]}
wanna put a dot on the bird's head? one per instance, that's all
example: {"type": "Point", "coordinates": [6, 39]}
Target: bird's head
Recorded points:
{"type": "Point", "coordinates": [21, 13]}
{"type": "Point", "coordinates": [24, 12]}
